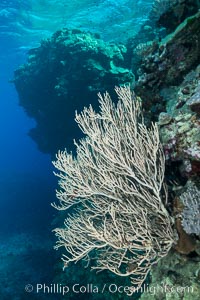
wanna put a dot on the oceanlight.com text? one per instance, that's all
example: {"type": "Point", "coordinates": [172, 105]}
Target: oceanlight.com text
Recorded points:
{"type": "Point", "coordinates": [112, 288]}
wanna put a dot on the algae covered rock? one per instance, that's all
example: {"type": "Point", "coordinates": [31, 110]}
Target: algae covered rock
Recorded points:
{"type": "Point", "coordinates": [175, 277]}
{"type": "Point", "coordinates": [180, 125]}
{"type": "Point", "coordinates": [194, 101]}
{"type": "Point", "coordinates": [170, 59]}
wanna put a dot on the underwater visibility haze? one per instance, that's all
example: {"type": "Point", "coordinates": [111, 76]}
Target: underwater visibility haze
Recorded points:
{"type": "Point", "coordinates": [128, 192]}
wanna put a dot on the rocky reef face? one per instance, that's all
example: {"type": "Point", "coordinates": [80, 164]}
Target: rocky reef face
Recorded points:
{"type": "Point", "coordinates": [168, 79]}
{"type": "Point", "coordinates": [70, 65]}
{"type": "Point", "coordinates": [166, 62]}
{"type": "Point", "coordinates": [180, 126]}
{"type": "Point", "coordinates": [174, 278]}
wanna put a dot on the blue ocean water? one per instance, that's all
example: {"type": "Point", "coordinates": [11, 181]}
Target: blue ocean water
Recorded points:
{"type": "Point", "coordinates": [26, 190]}
{"type": "Point", "coordinates": [26, 181]}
